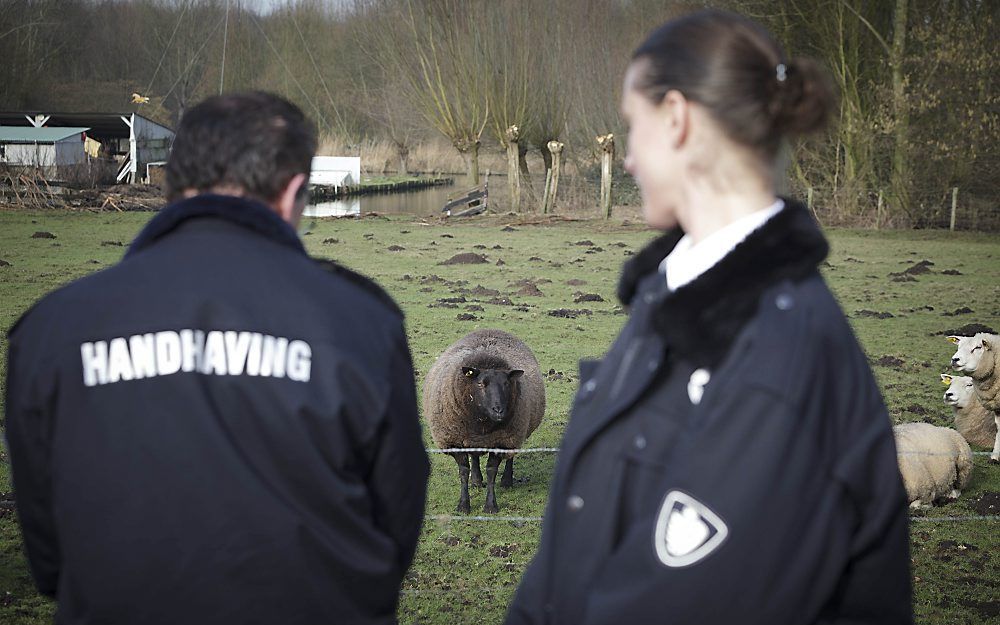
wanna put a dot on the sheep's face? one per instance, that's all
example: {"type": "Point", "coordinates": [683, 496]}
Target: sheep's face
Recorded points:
{"type": "Point", "coordinates": [960, 390]}
{"type": "Point", "coordinates": [971, 352]}
{"type": "Point", "coordinates": [491, 393]}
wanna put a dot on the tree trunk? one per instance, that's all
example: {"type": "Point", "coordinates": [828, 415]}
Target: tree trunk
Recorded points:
{"type": "Point", "coordinates": [552, 179]}
{"type": "Point", "coordinates": [522, 164]}
{"type": "Point", "coordinates": [513, 173]}
{"type": "Point", "coordinates": [403, 151]}
{"type": "Point", "coordinates": [900, 158]}
{"type": "Point", "coordinates": [607, 143]}
{"type": "Point", "coordinates": [470, 155]}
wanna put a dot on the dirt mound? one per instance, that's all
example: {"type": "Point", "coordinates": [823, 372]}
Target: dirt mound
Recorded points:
{"type": "Point", "coordinates": [466, 258]}
{"type": "Point", "coordinates": [916, 269]}
{"type": "Point", "coordinates": [964, 310]}
{"type": "Point", "coordinates": [566, 313]}
{"type": "Point", "coordinates": [466, 317]}
{"type": "Point", "coordinates": [988, 504]}
{"type": "Point", "coordinates": [43, 235]}
{"type": "Point", "coordinates": [968, 329]}
{"type": "Point", "coordinates": [482, 291]}
{"type": "Point", "coordinates": [395, 248]}
{"type": "Point", "coordinates": [4, 263]}
{"type": "Point", "coordinates": [576, 282]}
{"type": "Point", "coordinates": [587, 297]}
{"type": "Point", "coordinates": [873, 314]}
{"type": "Point", "coordinates": [890, 361]}
{"type": "Point", "coordinates": [951, 272]}
{"type": "Point", "coordinates": [530, 290]}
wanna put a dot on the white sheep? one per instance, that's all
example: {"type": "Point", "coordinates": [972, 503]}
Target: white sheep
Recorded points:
{"type": "Point", "coordinates": [936, 462]}
{"type": "Point", "coordinates": [972, 419]}
{"type": "Point", "coordinates": [976, 355]}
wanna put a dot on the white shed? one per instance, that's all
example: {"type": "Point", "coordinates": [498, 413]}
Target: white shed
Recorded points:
{"type": "Point", "coordinates": [336, 171]}
{"type": "Point", "coordinates": [129, 139]}
{"type": "Point", "coordinates": [47, 150]}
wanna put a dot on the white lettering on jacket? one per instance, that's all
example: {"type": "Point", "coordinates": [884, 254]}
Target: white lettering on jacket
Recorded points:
{"type": "Point", "coordinates": [214, 352]}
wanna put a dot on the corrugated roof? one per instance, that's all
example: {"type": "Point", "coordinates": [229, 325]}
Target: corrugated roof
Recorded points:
{"type": "Point", "coordinates": [22, 134]}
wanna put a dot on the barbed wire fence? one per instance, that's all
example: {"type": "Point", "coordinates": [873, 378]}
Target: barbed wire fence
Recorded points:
{"type": "Point", "coordinates": [447, 518]}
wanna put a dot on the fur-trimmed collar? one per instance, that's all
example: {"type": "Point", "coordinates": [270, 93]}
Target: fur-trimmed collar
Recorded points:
{"type": "Point", "coordinates": [245, 212]}
{"type": "Point", "coordinates": [700, 320]}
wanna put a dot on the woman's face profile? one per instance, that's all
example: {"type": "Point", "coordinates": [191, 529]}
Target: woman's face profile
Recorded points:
{"type": "Point", "coordinates": [649, 155]}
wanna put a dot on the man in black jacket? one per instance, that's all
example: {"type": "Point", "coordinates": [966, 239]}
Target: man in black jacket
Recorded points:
{"type": "Point", "coordinates": [219, 429]}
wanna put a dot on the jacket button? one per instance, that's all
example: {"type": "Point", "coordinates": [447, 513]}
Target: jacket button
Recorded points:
{"type": "Point", "coordinates": [784, 302]}
{"type": "Point", "coordinates": [589, 386]}
{"type": "Point", "coordinates": [574, 503]}
{"type": "Point", "coordinates": [639, 441]}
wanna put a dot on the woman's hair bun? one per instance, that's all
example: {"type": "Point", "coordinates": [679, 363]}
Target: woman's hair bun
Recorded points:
{"type": "Point", "coordinates": [804, 99]}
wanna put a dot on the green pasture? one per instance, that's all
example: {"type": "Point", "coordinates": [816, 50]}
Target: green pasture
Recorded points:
{"type": "Point", "coordinates": [466, 571]}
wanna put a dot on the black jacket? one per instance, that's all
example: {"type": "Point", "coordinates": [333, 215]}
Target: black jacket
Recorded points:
{"type": "Point", "coordinates": [769, 494]}
{"type": "Point", "coordinates": [216, 430]}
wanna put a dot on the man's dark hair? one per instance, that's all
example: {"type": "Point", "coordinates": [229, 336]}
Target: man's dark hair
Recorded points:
{"type": "Point", "coordinates": [255, 142]}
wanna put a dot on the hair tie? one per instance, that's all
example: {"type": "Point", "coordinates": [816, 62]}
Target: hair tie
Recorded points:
{"type": "Point", "coordinates": [781, 72]}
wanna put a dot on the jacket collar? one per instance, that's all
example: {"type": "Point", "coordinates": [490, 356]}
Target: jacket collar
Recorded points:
{"type": "Point", "coordinates": [700, 320]}
{"type": "Point", "coordinates": [245, 212]}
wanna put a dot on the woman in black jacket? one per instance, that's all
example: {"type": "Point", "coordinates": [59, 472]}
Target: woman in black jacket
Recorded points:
{"type": "Point", "coordinates": [730, 460]}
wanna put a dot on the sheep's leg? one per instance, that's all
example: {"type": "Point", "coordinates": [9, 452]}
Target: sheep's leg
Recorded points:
{"type": "Point", "coordinates": [463, 474]}
{"type": "Point", "coordinates": [492, 465]}
{"type": "Point", "coordinates": [477, 474]}
{"type": "Point", "coordinates": [995, 456]}
{"type": "Point", "coordinates": [508, 473]}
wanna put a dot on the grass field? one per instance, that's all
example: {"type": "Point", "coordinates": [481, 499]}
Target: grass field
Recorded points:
{"type": "Point", "coordinates": [466, 571]}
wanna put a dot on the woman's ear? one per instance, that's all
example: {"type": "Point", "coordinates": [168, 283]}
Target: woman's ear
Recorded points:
{"type": "Point", "coordinates": [676, 113]}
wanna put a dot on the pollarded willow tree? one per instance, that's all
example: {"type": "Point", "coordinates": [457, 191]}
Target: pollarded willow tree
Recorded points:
{"type": "Point", "coordinates": [437, 48]}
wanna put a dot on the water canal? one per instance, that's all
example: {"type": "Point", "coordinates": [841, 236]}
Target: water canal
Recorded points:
{"type": "Point", "coordinates": [422, 202]}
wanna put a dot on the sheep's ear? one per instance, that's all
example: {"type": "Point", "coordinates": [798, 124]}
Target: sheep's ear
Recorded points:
{"type": "Point", "coordinates": [946, 379]}
{"type": "Point", "coordinates": [513, 374]}
{"type": "Point", "coordinates": [987, 343]}
{"type": "Point", "coordinates": [954, 339]}
{"type": "Point", "coordinates": [469, 372]}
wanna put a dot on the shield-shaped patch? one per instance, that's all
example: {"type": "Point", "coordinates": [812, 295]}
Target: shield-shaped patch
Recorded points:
{"type": "Point", "coordinates": [686, 530]}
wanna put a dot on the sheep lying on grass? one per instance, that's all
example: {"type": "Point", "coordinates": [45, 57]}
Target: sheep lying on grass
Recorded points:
{"type": "Point", "coordinates": [485, 390]}
{"type": "Point", "coordinates": [936, 462]}
{"type": "Point", "coordinates": [972, 419]}
{"type": "Point", "coordinates": [977, 356]}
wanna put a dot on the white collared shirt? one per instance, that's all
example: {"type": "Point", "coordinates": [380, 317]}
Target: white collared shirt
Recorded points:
{"type": "Point", "coordinates": [687, 260]}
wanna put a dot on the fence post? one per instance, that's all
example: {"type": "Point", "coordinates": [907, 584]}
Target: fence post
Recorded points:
{"type": "Point", "coordinates": [878, 213]}
{"type": "Point", "coordinates": [552, 178]}
{"type": "Point", "coordinates": [954, 207]}
{"type": "Point", "coordinates": [607, 143]}
{"type": "Point", "coordinates": [809, 198]}
{"type": "Point", "coordinates": [513, 135]}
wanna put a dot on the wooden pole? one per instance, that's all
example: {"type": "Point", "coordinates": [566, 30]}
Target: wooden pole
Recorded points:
{"type": "Point", "coordinates": [809, 198]}
{"type": "Point", "coordinates": [545, 192]}
{"type": "Point", "coordinates": [552, 180]}
{"type": "Point", "coordinates": [954, 207]}
{"type": "Point", "coordinates": [878, 212]}
{"type": "Point", "coordinates": [607, 143]}
{"type": "Point", "coordinates": [513, 171]}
